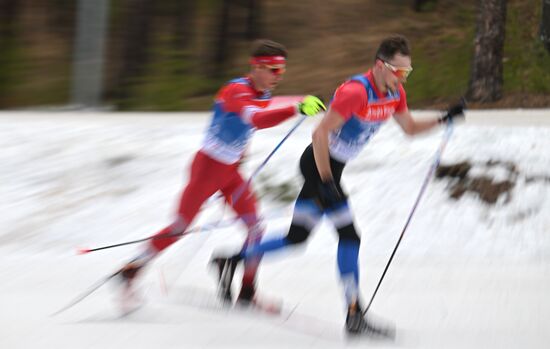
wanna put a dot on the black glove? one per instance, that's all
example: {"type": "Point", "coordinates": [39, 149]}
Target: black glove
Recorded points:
{"type": "Point", "coordinates": [329, 194]}
{"type": "Point", "coordinates": [455, 111]}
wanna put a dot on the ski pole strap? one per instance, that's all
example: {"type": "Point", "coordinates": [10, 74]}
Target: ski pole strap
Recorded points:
{"type": "Point", "coordinates": [433, 167]}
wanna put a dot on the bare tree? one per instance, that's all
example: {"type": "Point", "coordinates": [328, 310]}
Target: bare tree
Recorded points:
{"type": "Point", "coordinates": [545, 24]}
{"type": "Point", "coordinates": [486, 78]}
{"type": "Point", "coordinates": [238, 19]}
{"type": "Point", "coordinates": [223, 35]}
{"type": "Point", "coordinates": [136, 36]}
{"type": "Point", "coordinates": [9, 10]}
{"type": "Point", "coordinates": [253, 19]}
{"type": "Point", "coordinates": [87, 78]}
{"type": "Point", "coordinates": [185, 13]}
{"type": "Point", "coordinates": [62, 16]}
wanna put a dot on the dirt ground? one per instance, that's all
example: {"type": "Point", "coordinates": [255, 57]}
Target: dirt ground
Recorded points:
{"type": "Point", "coordinates": [484, 186]}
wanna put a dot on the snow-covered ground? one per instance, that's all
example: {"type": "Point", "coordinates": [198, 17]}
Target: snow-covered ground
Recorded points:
{"type": "Point", "coordinates": [467, 274]}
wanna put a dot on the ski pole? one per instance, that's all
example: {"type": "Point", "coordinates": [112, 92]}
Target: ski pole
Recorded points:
{"type": "Point", "coordinates": [205, 227]}
{"type": "Point", "coordinates": [262, 165]}
{"type": "Point", "coordinates": [239, 192]}
{"type": "Point", "coordinates": [435, 164]}
{"type": "Point", "coordinates": [235, 197]}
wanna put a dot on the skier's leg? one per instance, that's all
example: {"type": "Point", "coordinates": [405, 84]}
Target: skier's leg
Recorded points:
{"type": "Point", "coordinates": [306, 216]}
{"type": "Point", "coordinates": [348, 266]}
{"type": "Point", "coordinates": [307, 212]}
{"type": "Point", "coordinates": [243, 201]}
{"type": "Point", "coordinates": [202, 184]}
{"type": "Point", "coordinates": [348, 250]}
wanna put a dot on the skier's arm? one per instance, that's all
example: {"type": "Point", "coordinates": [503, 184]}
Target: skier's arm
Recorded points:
{"type": "Point", "coordinates": [268, 118]}
{"type": "Point", "coordinates": [348, 99]}
{"type": "Point", "coordinates": [239, 99]}
{"type": "Point", "coordinates": [411, 126]}
{"type": "Point", "coordinates": [331, 121]}
{"type": "Point", "coordinates": [309, 106]}
{"type": "Point", "coordinates": [404, 118]}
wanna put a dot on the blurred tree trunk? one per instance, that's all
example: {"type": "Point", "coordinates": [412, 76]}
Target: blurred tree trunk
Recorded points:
{"type": "Point", "coordinates": [62, 18]}
{"type": "Point", "coordinates": [237, 19]}
{"type": "Point", "coordinates": [88, 53]}
{"type": "Point", "coordinates": [486, 78]}
{"type": "Point", "coordinates": [8, 16]}
{"type": "Point", "coordinates": [253, 19]}
{"type": "Point", "coordinates": [9, 10]}
{"type": "Point", "coordinates": [8, 13]}
{"type": "Point", "coordinates": [136, 37]}
{"type": "Point", "coordinates": [222, 39]}
{"type": "Point", "coordinates": [545, 24]}
{"type": "Point", "coordinates": [183, 31]}
{"type": "Point", "coordinates": [184, 23]}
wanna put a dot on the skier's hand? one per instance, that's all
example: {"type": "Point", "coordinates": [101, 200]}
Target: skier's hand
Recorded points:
{"type": "Point", "coordinates": [330, 194]}
{"type": "Point", "coordinates": [311, 105]}
{"type": "Point", "coordinates": [454, 112]}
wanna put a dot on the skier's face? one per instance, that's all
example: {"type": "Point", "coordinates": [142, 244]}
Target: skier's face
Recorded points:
{"type": "Point", "coordinates": [395, 71]}
{"type": "Point", "coordinates": [267, 77]}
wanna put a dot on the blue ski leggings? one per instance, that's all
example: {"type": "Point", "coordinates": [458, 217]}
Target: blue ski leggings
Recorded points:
{"type": "Point", "coordinates": [308, 212]}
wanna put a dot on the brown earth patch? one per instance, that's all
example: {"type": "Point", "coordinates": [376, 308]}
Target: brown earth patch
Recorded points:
{"type": "Point", "coordinates": [484, 186]}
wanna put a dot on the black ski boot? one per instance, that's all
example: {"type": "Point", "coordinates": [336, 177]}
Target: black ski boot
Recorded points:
{"type": "Point", "coordinates": [226, 270]}
{"type": "Point", "coordinates": [357, 324]}
{"type": "Point", "coordinates": [130, 298]}
{"type": "Point", "coordinates": [246, 296]}
{"type": "Point", "coordinates": [129, 272]}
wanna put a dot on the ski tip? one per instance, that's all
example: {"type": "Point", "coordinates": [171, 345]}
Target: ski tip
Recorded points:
{"type": "Point", "coordinates": [83, 251]}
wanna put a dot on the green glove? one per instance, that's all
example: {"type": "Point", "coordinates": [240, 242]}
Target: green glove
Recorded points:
{"type": "Point", "coordinates": [311, 105]}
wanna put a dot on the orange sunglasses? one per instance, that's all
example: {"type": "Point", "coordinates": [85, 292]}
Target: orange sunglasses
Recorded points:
{"type": "Point", "coordinates": [276, 69]}
{"type": "Point", "coordinates": [400, 72]}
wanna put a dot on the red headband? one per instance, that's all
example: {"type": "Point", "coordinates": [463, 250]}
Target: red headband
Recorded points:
{"type": "Point", "coordinates": [268, 60]}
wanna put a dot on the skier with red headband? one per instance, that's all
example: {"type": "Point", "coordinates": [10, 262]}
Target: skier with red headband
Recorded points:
{"type": "Point", "coordinates": [239, 109]}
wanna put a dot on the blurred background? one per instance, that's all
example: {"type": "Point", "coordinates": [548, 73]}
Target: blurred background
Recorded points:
{"type": "Point", "coordinates": [173, 55]}
{"type": "Point", "coordinates": [473, 270]}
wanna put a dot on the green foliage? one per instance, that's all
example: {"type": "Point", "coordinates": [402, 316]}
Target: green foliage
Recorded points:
{"type": "Point", "coordinates": [8, 69]}
{"type": "Point", "coordinates": [428, 5]}
{"type": "Point", "coordinates": [442, 60]}
{"type": "Point", "coordinates": [439, 74]}
{"type": "Point", "coordinates": [22, 82]}
{"type": "Point", "coordinates": [171, 81]}
{"type": "Point", "coordinates": [527, 63]}
{"type": "Point", "coordinates": [36, 69]}
{"type": "Point", "coordinates": [176, 79]}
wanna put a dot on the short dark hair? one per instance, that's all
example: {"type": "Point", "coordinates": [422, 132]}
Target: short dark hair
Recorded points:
{"type": "Point", "coordinates": [264, 47]}
{"type": "Point", "coordinates": [392, 45]}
